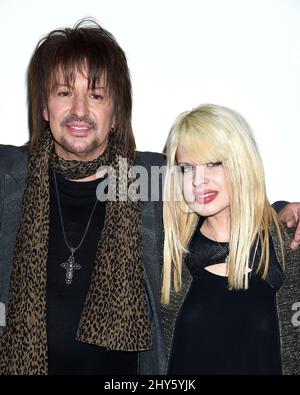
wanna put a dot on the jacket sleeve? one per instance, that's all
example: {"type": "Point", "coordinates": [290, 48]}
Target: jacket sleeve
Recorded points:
{"type": "Point", "coordinates": [277, 206]}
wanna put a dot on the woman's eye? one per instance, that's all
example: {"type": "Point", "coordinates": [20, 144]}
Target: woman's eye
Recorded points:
{"type": "Point", "coordinates": [186, 168]}
{"type": "Point", "coordinates": [213, 164]}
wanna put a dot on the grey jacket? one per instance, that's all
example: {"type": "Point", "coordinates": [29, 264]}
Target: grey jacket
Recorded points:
{"type": "Point", "coordinates": [287, 283]}
{"type": "Point", "coordinates": [13, 164]}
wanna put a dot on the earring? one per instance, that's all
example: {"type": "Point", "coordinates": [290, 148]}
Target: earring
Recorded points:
{"type": "Point", "coordinates": [112, 130]}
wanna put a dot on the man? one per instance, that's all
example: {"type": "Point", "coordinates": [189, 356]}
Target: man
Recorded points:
{"type": "Point", "coordinates": [84, 275]}
{"type": "Point", "coordinates": [78, 286]}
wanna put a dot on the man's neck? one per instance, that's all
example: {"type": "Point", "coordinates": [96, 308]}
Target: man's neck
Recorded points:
{"type": "Point", "coordinates": [91, 153]}
{"type": "Point", "coordinates": [78, 157]}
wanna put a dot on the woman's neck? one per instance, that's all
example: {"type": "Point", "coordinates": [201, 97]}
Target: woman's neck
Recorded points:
{"type": "Point", "coordinates": [217, 227]}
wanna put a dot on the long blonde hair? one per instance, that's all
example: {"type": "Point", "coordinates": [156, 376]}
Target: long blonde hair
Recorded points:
{"type": "Point", "coordinates": [213, 133]}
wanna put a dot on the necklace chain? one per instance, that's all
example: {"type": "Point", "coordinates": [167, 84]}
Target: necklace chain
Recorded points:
{"type": "Point", "coordinates": [71, 264]}
{"type": "Point", "coordinates": [212, 232]}
{"type": "Point", "coordinates": [214, 236]}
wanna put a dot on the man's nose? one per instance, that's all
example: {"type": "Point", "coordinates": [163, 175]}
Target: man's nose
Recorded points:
{"type": "Point", "coordinates": [199, 177]}
{"type": "Point", "coordinates": [80, 106]}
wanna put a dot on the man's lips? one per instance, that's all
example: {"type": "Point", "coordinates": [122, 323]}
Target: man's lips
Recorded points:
{"type": "Point", "coordinates": [205, 196]}
{"type": "Point", "coordinates": [78, 128]}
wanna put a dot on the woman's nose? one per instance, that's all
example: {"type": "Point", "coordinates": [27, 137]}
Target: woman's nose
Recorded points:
{"type": "Point", "coordinates": [199, 177]}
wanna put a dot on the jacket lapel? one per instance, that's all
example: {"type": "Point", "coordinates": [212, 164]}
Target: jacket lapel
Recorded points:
{"type": "Point", "coordinates": [286, 297]}
{"type": "Point", "coordinates": [170, 312]}
{"type": "Point", "coordinates": [11, 194]}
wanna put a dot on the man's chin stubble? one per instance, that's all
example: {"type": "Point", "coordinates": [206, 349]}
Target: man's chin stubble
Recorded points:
{"type": "Point", "coordinates": [67, 148]}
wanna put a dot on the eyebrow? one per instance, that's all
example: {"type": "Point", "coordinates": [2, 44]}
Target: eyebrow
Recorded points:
{"type": "Point", "coordinates": [99, 87]}
{"type": "Point", "coordinates": [65, 84]}
{"type": "Point", "coordinates": [186, 163]}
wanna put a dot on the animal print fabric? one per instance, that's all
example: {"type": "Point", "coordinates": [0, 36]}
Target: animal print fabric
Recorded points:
{"type": "Point", "coordinates": [114, 315]}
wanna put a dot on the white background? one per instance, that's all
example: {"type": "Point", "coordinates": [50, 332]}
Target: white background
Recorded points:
{"type": "Point", "coordinates": [244, 54]}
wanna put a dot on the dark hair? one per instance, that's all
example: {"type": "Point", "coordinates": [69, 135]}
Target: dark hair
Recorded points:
{"type": "Point", "coordinates": [69, 50]}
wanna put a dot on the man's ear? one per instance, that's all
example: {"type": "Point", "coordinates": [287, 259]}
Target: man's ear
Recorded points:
{"type": "Point", "coordinates": [114, 123]}
{"type": "Point", "coordinates": [45, 114]}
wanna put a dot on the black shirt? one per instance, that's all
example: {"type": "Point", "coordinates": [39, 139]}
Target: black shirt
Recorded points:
{"type": "Point", "coordinates": [221, 331]}
{"type": "Point", "coordinates": [64, 303]}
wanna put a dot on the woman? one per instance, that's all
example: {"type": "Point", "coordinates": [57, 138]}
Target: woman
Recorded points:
{"type": "Point", "coordinates": [230, 281]}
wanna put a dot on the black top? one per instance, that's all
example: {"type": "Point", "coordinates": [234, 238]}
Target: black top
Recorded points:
{"type": "Point", "coordinates": [219, 331]}
{"type": "Point", "coordinates": [64, 303]}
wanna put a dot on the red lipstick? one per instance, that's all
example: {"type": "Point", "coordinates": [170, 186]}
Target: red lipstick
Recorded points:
{"type": "Point", "coordinates": [206, 197]}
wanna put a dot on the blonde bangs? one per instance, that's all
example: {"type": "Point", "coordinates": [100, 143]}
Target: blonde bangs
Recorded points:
{"type": "Point", "coordinates": [204, 141]}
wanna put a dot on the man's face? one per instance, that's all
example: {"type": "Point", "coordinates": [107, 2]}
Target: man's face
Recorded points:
{"type": "Point", "coordinates": [80, 118]}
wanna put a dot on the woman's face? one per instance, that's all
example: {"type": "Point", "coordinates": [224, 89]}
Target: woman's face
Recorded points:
{"type": "Point", "coordinates": [204, 187]}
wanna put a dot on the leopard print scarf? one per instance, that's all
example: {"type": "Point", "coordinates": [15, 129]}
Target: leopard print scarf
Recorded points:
{"type": "Point", "coordinates": [114, 315]}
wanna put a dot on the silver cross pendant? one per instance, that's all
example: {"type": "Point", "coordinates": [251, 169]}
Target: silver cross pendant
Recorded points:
{"type": "Point", "coordinates": [70, 266]}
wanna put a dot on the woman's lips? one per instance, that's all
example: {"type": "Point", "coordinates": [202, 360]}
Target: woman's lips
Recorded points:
{"type": "Point", "coordinates": [205, 197]}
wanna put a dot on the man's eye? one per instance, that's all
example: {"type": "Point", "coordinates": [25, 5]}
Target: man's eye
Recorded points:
{"type": "Point", "coordinates": [213, 164]}
{"type": "Point", "coordinates": [186, 168]}
{"type": "Point", "coordinates": [96, 96]}
{"type": "Point", "coordinates": [64, 93]}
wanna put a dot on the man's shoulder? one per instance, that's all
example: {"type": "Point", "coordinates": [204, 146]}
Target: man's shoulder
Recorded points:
{"type": "Point", "coordinates": [12, 152]}
{"type": "Point", "coordinates": [12, 158]}
{"type": "Point", "coordinates": [147, 158]}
